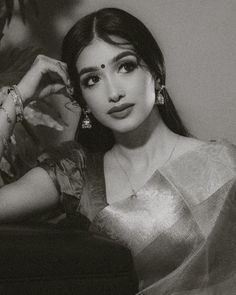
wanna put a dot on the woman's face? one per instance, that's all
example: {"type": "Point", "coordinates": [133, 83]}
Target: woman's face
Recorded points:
{"type": "Point", "coordinates": [116, 86]}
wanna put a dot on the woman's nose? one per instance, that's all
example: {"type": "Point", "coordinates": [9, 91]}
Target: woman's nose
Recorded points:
{"type": "Point", "coordinates": [115, 93]}
{"type": "Point", "coordinates": [115, 97]}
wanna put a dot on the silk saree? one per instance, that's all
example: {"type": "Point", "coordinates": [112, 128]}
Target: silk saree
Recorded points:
{"type": "Point", "coordinates": [181, 227]}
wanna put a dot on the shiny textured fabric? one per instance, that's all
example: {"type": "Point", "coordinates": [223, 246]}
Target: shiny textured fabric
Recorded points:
{"type": "Point", "coordinates": [181, 228]}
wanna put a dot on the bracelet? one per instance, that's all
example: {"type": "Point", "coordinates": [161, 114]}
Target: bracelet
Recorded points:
{"type": "Point", "coordinates": [17, 99]}
{"type": "Point", "coordinates": [9, 120]}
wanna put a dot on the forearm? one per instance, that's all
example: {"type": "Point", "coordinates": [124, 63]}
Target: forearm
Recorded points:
{"type": "Point", "coordinates": [33, 193]}
{"type": "Point", "coordinates": [7, 118]}
{"type": "Point", "coordinates": [56, 79]}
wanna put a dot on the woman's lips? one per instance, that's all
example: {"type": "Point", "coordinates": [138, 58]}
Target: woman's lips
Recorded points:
{"type": "Point", "coordinates": [121, 111]}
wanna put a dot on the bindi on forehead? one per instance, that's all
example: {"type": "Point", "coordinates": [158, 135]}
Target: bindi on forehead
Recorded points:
{"type": "Point", "coordinates": [113, 57]}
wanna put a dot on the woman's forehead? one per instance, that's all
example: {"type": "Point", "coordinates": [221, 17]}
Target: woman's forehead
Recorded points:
{"type": "Point", "coordinates": [101, 52]}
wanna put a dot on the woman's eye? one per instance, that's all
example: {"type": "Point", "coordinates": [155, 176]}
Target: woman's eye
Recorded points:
{"type": "Point", "coordinates": [127, 67]}
{"type": "Point", "coordinates": [90, 81]}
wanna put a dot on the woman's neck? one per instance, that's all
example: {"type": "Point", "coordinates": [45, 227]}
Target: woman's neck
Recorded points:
{"type": "Point", "coordinates": [151, 142]}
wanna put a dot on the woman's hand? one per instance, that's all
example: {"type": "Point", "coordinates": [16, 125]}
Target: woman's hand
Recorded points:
{"type": "Point", "coordinates": [3, 94]}
{"type": "Point", "coordinates": [46, 76]}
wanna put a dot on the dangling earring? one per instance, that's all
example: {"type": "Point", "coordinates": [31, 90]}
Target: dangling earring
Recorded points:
{"type": "Point", "coordinates": [160, 100]}
{"type": "Point", "coordinates": [86, 123]}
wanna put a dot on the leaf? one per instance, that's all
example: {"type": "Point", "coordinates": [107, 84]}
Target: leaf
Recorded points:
{"type": "Point", "coordinates": [14, 64]}
{"type": "Point", "coordinates": [22, 9]}
{"type": "Point", "coordinates": [9, 9]}
{"type": "Point", "coordinates": [2, 9]}
{"type": "Point", "coordinates": [2, 25]}
{"type": "Point", "coordinates": [2, 18]}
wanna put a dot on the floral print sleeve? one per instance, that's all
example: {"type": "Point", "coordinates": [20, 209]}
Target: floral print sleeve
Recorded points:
{"type": "Point", "coordinates": [66, 165]}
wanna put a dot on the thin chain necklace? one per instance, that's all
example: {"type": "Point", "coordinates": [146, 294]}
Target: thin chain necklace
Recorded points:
{"type": "Point", "coordinates": [133, 191]}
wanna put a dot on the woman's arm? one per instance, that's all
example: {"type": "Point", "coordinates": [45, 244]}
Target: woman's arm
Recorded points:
{"type": "Point", "coordinates": [45, 77]}
{"type": "Point", "coordinates": [7, 119]}
{"type": "Point", "coordinates": [33, 193]}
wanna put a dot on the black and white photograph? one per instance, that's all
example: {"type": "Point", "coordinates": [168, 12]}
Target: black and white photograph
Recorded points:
{"type": "Point", "coordinates": [117, 147]}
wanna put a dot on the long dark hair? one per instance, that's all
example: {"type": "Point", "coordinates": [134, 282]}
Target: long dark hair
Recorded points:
{"type": "Point", "coordinates": [103, 24]}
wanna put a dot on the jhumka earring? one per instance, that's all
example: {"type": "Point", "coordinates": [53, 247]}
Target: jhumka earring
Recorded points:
{"type": "Point", "coordinates": [86, 123]}
{"type": "Point", "coordinates": [160, 100]}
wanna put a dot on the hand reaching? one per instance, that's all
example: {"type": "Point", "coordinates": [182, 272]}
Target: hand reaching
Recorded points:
{"type": "Point", "coordinates": [46, 76]}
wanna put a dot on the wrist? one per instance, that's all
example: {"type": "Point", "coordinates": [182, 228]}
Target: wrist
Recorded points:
{"type": "Point", "coordinates": [23, 93]}
{"type": "Point", "coordinates": [15, 95]}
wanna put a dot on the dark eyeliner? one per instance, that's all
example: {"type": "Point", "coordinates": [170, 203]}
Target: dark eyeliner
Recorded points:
{"type": "Point", "coordinates": [85, 81]}
{"type": "Point", "coordinates": [131, 63]}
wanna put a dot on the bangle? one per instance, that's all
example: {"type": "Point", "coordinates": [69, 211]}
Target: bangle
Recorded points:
{"type": "Point", "coordinates": [9, 120]}
{"type": "Point", "coordinates": [17, 99]}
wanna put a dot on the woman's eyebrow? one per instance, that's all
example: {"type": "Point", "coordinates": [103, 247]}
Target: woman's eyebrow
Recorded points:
{"type": "Point", "coordinates": [123, 54]}
{"type": "Point", "coordinates": [88, 70]}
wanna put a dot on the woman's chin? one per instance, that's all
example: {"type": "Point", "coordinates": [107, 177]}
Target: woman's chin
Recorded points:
{"type": "Point", "coordinates": [125, 127]}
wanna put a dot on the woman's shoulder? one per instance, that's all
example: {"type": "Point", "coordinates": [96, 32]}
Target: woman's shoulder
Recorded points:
{"type": "Point", "coordinates": [187, 144]}
{"type": "Point", "coordinates": [67, 158]}
{"type": "Point", "coordinates": [65, 163]}
{"type": "Point", "coordinates": [202, 168]}
{"type": "Point", "coordinates": [68, 150]}
{"type": "Point", "coordinates": [68, 164]}
{"type": "Point", "coordinates": [221, 151]}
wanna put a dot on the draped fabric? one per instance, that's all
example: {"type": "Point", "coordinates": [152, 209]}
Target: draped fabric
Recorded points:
{"type": "Point", "coordinates": [181, 227]}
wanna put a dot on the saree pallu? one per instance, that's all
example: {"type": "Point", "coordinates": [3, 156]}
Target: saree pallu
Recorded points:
{"type": "Point", "coordinates": [181, 228]}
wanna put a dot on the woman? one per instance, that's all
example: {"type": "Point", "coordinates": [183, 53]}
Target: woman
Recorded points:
{"type": "Point", "coordinates": [135, 176]}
